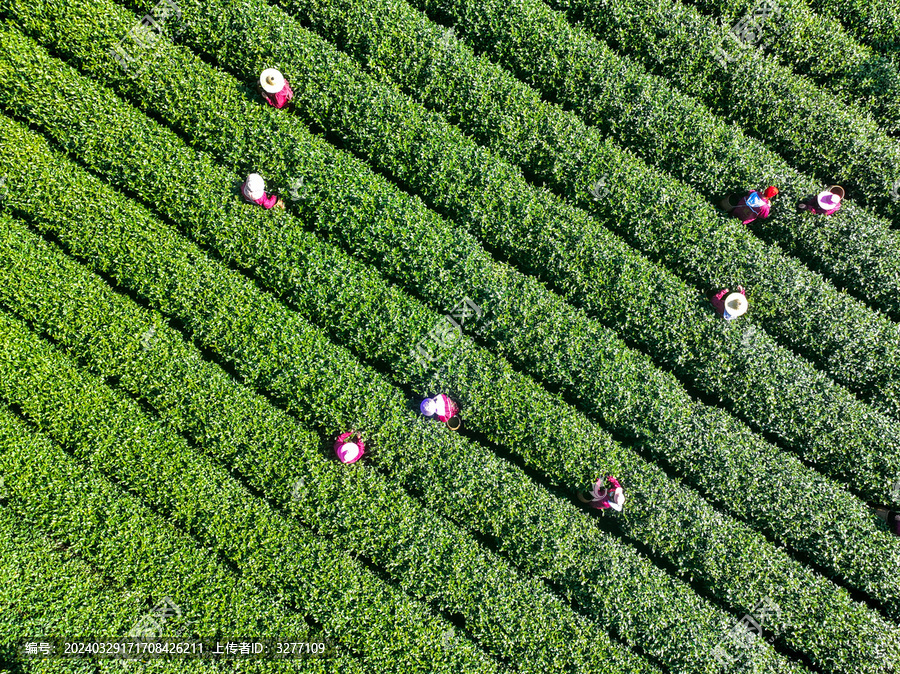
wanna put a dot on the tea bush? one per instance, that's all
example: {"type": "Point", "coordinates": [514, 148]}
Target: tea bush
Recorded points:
{"type": "Point", "coordinates": [324, 285]}
{"type": "Point", "coordinates": [283, 461]}
{"type": "Point", "coordinates": [93, 575]}
{"type": "Point", "coordinates": [822, 49]}
{"type": "Point", "coordinates": [276, 351]}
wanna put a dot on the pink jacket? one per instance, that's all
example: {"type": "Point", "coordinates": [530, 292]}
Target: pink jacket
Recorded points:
{"type": "Point", "coordinates": [280, 99]}
{"type": "Point", "coordinates": [266, 200]}
{"type": "Point", "coordinates": [602, 496]}
{"type": "Point", "coordinates": [446, 408]}
{"type": "Point", "coordinates": [718, 300]}
{"type": "Point", "coordinates": [345, 437]}
{"type": "Point", "coordinates": [746, 214]}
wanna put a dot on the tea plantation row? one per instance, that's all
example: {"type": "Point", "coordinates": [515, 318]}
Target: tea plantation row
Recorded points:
{"type": "Point", "coordinates": [123, 556]}
{"type": "Point", "coordinates": [325, 286]}
{"type": "Point", "coordinates": [265, 346]}
{"type": "Point", "coordinates": [543, 584]}
{"type": "Point", "coordinates": [797, 382]}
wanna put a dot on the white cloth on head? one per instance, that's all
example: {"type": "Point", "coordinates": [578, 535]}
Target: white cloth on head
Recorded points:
{"type": "Point", "coordinates": [254, 187]}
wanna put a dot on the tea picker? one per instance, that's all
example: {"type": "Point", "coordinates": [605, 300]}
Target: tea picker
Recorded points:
{"type": "Point", "coordinates": [824, 203]}
{"type": "Point", "coordinates": [729, 305]}
{"type": "Point", "coordinates": [751, 205]}
{"type": "Point", "coordinates": [275, 88]}
{"type": "Point", "coordinates": [253, 190]}
{"type": "Point", "coordinates": [445, 409]}
{"type": "Point", "coordinates": [349, 447]}
{"type": "Point", "coordinates": [607, 497]}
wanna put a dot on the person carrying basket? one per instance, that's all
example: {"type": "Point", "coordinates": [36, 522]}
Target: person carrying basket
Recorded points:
{"type": "Point", "coordinates": [349, 447]}
{"type": "Point", "coordinates": [751, 205]}
{"type": "Point", "coordinates": [824, 203]}
{"type": "Point", "coordinates": [445, 409]}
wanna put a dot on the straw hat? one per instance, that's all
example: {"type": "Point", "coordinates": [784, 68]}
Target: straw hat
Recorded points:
{"type": "Point", "coordinates": [828, 200]}
{"type": "Point", "coordinates": [428, 407]}
{"type": "Point", "coordinates": [350, 451]}
{"type": "Point", "coordinates": [255, 186]}
{"type": "Point", "coordinates": [271, 80]}
{"type": "Point", "coordinates": [736, 305]}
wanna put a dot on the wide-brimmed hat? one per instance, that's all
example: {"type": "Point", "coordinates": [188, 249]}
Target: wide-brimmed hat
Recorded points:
{"type": "Point", "coordinates": [828, 200]}
{"type": "Point", "coordinates": [255, 186]}
{"type": "Point", "coordinates": [736, 305]}
{"type": "Point", "coordinates": [271, 80]}
{"type": "Point", "coordinates": [350, 451]}
{"type": "Point", "coordinates": [428, 407]}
